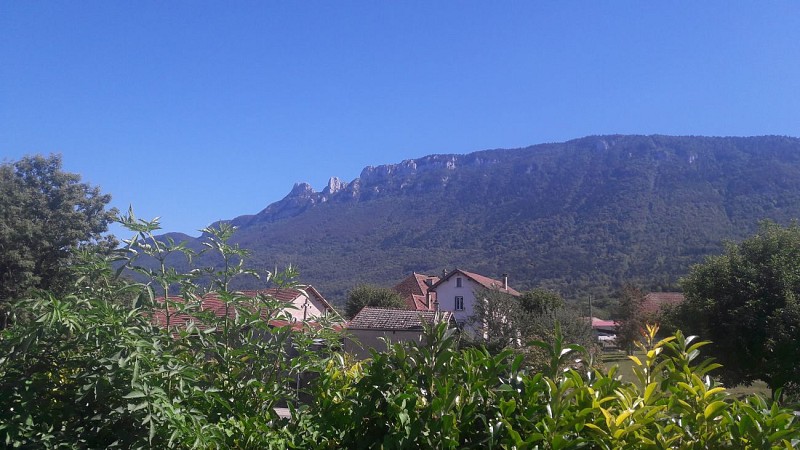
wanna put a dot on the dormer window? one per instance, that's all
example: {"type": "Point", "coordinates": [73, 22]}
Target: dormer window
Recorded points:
{"type": "Point", "coordinates": [458, 282]}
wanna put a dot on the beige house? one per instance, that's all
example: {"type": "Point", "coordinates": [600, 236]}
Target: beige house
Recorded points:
{"type": "Point", "coordinates": [373, 328]}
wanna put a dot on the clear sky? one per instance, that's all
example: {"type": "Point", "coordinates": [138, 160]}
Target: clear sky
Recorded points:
{"type": "Point", "coordinates": [197, 111]}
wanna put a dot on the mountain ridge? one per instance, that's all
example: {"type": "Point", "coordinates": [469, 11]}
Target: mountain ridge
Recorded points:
{"type": "Point", "coordinates": [580, 216]}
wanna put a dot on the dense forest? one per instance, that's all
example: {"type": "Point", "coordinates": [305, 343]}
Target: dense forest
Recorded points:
{"type": "Point", "coordinates": [580, 217]}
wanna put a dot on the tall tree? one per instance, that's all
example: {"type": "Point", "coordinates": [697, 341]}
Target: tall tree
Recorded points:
{"type": "Point", "coordinates": [497, 321]}
{"type": "Point", "coordinates": [630, 316]}
{"type": "Point", "coordinates": [369, 295]}
{"type": "Point", "coordinates": [747, 301]}
{"type": "Point", "coordinates": [45, 214]}
{"type": "Point", "coordinates": [540, 301]}
{"type": "Point", "coordinates": [512, 322]}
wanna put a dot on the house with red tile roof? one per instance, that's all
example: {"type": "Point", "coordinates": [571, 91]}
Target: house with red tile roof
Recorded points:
{"type": "Point", "coordinates": [456, 292]}
{"type": "Point", "coordinates": [303, 305]}
{"type": "Point", "coordinates": [373, 328]}
{"type": "Point", "coordinates": [415, 290]}
{"type": "Point", "coordinates": [608, 326]}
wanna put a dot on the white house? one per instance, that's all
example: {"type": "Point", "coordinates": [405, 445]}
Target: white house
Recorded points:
{"type": "Point", "coordinates": [450, 298]}
{"type": "Point", "coordinates": [456, 292]}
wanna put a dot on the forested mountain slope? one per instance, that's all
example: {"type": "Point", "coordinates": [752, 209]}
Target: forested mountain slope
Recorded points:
{"type": "Point", "coordinates": [577, 217]}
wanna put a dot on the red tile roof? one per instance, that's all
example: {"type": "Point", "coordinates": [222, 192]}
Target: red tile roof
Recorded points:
{"type": "Point", "coordinates": [372, 318]}
{"type": "Point", "coordinates": [601, 323]}
{"type": "Point", "coordinates": [414, 290]}
{"type": "Point", "coordinates": [654, 302]}
{"type": "Point", "coordinates": [488, 283]}
{"type": "Point", "coordinates": [211, 302]}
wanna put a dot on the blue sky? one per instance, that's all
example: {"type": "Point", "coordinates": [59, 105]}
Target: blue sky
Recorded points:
{"type": "Point", "coordinates": [197, 111]}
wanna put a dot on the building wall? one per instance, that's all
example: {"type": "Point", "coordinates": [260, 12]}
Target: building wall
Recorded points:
{"type": "Point", "coordinates": [312, 309]}
{"type": "Point", "coordinates": [358, 342]}
{"type": "Point", "coordinates": [447, 292]}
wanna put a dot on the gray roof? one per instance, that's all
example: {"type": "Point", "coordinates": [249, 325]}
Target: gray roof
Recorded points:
{"type": "Point", "coordinates": [371, 318]}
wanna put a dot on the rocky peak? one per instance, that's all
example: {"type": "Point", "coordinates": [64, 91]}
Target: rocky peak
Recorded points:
{"type": "Point", "coordinates": [334, 185]}
{"type": "Point", "coordinates": [302, 190]}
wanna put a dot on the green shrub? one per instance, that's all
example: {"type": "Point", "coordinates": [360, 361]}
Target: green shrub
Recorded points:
{"type": "Point", "coordinates": [430, 395]}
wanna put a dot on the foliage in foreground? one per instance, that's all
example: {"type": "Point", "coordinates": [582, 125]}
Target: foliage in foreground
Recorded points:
{"type": "Point", "coordinates": [89, 370]}
{"type": "Point", "coordinates": [123, 384]}
{"type": "Point", "coordinates": [433, 396]}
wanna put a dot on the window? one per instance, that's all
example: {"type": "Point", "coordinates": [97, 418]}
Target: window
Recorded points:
{"type": "Point", "coordinates": [458, 282]}
{"type": "Point", "coordinates": [459, 303]}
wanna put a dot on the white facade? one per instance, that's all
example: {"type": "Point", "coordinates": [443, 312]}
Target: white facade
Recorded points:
{"type": "Point", "coordinates": [458, 297]}
{"type": "Point", "coordinates": [456, 292]}
{"type": "Point", "coordinates": [307, 307]}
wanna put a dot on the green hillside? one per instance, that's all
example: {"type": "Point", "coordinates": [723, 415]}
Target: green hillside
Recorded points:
{"type": "Point", "coordinates": [579, 217]}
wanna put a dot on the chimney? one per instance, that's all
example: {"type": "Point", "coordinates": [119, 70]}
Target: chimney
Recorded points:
{"type": "Point", "coordinates": [444, 273]}
{"type": "Point", "coordinates": [505, 281]}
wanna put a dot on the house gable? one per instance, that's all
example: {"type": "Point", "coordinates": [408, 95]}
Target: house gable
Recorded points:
{"type": "Point", "coordinates": [477, 279]}
{"type": "Point", "coordinates": [456, 292]}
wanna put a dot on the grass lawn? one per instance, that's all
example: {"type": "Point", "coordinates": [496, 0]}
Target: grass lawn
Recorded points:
{"type": "Point", "coordinates": [618, 357]}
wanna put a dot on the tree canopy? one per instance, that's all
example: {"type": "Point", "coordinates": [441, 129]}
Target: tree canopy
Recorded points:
{"type": "Point", "coordinates": [540, 301]}
{"type": "Point", "coordinates": [369, 295]}
{"type": "Point", "coordinates": [510, 322]}
{"type": "Point", "coordinates": [746, 302]}
{"type": "Point", "coordinates": [45, 214]}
